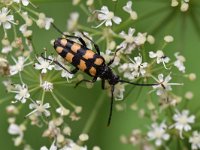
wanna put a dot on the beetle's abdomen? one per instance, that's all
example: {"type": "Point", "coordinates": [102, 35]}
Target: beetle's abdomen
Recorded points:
{"type": "Point", "coordinates": [79, 56]}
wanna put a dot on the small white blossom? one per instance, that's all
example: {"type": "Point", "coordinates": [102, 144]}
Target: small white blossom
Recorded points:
{"type": "Point", "coordinates": [139, 68]}
{"type": "Point", "coordinates": [174, 3]}
{"type": "Point", "coordinates": [24, 2]}
{"type": "Point", "coordinates": [169, 38]}
{"type": "Point", "coordinates": [39, 108]}
{"type": "Point", "coordinates": [128, 43]}
{"type": "Point", "coordinates": [107, 17]}
{"type": "Point", "coordinates": [182, 121]}
{"type": "Point", "coordinates": [184, 7]}
{"type": "Point", "coordinates": [160, 57]}
{"type": "Point", "coordinates": [5, 19]}
{"type": "Point", "coordinates": [6, 48]}
{"type": "Point", "coordinates": [47, 86]}
{"type": "Point", "coordinates": [53, 147]}
{"type": "Point", "coordinates": [25, 31]}
{"type": "Point", "coordinates": [128, 8]}
{"type": "Point", "coordinates": [150, 39]}
{"type": "Point", "coordinates": [164, 84]}
{"type": "Point", "coordinates": [73, 146]}
{"type": "Point", "coordinates": [135, 69]}
{"type": "Point", "coordinates": [73, 21]}
{"type": "Point", "coordinates": [4, 66]}
{"type": "Point", "coordinates": [19, 65]}
{"type": "Point", "coordinates": [140, 39]}
{"type": "Point", "coordinates": [83, 137]}
{"type": "Point", "coordinates": [119, 91]}
{"type": "Point", "coordinates": [44, 64]}
{"type": "Point", "coordinates": [22, 93]}
{"type": "Point", "coordinates": [158, 133]}
{"type": "Point", "coordinates": [44, 22]}
{"type": "Point", "coordinates": [195, 140]}
{"type": "Point", "coordinates": [179, 62]}
{"type": "Point", "coordinates": [15, 129]}
{"type": "Point", "coordinates": [63, 111]}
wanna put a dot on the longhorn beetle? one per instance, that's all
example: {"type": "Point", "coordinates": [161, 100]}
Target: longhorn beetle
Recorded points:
{"type": "Point", "coordinates": [86, 60]}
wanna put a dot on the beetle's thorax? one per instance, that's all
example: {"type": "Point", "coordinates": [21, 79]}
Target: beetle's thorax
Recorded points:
{"type": "Point", "coordinates": [107, 74]}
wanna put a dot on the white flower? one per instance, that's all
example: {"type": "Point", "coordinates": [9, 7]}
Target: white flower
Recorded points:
{"type": "Point", "coordinates": [107, 17]}
{"type": "Point", "coordinates": [119, 91]}
{"type": "Point", "coordinates": [6, 49]}
{"type": "Point", "coordinates": [160, 57]}
{"type": "Point", "coordinates": [15, 129]}
{"type": "Point", "coordinates": [47, 86]}
{"type": "Point", "coordinates": [63, 111]}
{"type": "Point", "coordinates": [140, 39]}
{"type": "Point", "coordinates": [25, 31]}
{"type": "Point", "coordinates": [39, 108]}
{"type": "Point", "coordinates": [44, 64]}
{"type": "Point", "coordinates": [168, 38]}
{"type": "Point", "coordinates": [133, 70]}
{"type": "Point", "coordinates": [44, 22]}
{"type": "Point", "coordinates": [22, 93]}
{"type": "Point", "coordinates": [53, 147]}
{"type": "Point", "coordinates": [128, 8]}
{"type": "Point", "coordinates": [6, 19]}
{"type": "Point", "coordinates": [73, 146]}
{"type": "Point", "coordinates": [164, 85]}
{"type": "Point", "coordinates": [183, 121]}
{"type": "Point", "coordinates": [24, 2]}
{"type": "Point", "coordinates": [72, 22]}
{"type": "Point", "coordinates": [158, 133]}
{"type": "Point", "coordinates": [19, 66]}
{"type": "Point", "coordinates": [195, 140]}
{"type": "Point", "coordinates": [128, 43]}
{"type": "Point", "coordinates": [138, 67]}
{"type": "Point", "coordinates": [179, 62]}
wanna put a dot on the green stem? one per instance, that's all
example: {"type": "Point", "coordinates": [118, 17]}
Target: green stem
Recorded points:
{"type": "Point", "coordinates": [93, 115]}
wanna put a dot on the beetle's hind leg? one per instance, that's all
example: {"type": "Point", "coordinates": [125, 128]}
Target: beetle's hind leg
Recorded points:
{"type": "Point", "coordinates": [60, 65]}
{"type": "Point", "coordinates": [85, 80]}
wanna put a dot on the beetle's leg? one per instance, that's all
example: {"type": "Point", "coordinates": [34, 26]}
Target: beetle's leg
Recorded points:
{"type": "Point", "coordinates": [85, 80]}
{"type": "Point", "coordinates": [95, 45]}
{"type": "Point", "coordinates": [69, 36]}
{"type": "Point", "coordinates": [103, 84]}
{"type": "Point", "coordinates": [111, 104]}
{"type": "Point", "coordinates": [112, 60]}
{"type": "Point", "coordinates": [60, 65]}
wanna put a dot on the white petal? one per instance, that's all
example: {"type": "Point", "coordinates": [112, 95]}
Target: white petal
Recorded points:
{"type": "Point", "coordinates": [108, 23]}
{"type": "Point", "coordinates": [14, 129]}
{"type": "Point", "coordinates": [6, 25]}
{"type": "Point", "coordinates": [117, 20]}
{"type": "Point", "coordinates": [25, 2]}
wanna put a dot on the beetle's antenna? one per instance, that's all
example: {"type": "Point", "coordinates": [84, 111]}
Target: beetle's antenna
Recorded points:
{"type": "Point", "coordinates": [57, 29]}
{"type": "Point", "coordinates": [111, 105]}
{"type": "Point", "coordinates": [138, 84]}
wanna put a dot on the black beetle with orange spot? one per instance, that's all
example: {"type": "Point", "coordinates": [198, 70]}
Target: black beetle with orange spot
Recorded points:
{"type": "Point", "coordinates": [86, 60]}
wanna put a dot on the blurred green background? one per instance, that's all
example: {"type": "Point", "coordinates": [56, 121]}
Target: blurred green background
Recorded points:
{"type": "Point", "coordinates": [156, 17]}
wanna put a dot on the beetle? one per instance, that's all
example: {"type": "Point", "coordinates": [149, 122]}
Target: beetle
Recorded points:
{"type": "Point", "coordinates": [88, 61]}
